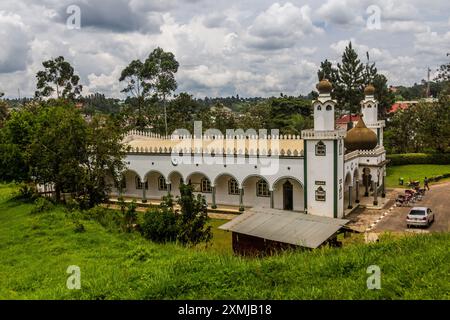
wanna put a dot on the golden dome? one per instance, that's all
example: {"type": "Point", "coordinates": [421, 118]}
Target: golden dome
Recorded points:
{"type": "Point", "coordinates": [360, 138]}
{"type": "Point", "coordinates": [369, 90]}
{"type": "Point", "coordinates": [324, 86]}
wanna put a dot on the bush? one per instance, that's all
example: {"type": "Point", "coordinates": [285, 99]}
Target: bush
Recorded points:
{"type": "Point", "coordinates": [27, 192]}
{"type": "Point", "coordinates": [79, 227]}
{"type": "Point", "coordinates": [42, 205]}
{"type": "Point", "coordinates": [418, 158]}
{"type": "Point", "coordinates": [109, 219]}
{"type": "Point", "coordinates": [160, 225]}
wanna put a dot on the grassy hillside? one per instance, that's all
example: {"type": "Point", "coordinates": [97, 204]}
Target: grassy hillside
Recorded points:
{"type": "Point", "coordinates": [414, 172]}
{"type": "Point", "coordinates": [36, 249]}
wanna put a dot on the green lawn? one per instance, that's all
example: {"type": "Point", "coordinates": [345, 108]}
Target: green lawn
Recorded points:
{"type": "Point", "coordinates": [414, 172]}
{"type": "Point", "coordinates": [36, 249]}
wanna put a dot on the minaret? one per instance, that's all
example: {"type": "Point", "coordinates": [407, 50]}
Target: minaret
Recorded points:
{"type": "Point", "coordinates": [369, 110]}
{"type": "Point", "coordinates": [324, 159]}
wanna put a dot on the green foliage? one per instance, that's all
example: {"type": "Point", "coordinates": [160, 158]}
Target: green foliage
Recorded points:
{"type": "Point", "coordinates": [58, 76]}
{"type": "Point", "coordinates": [188, 225]}
{"type": "Point", "coordinates": [349, 79]}
{"type": "Point", "coordinates": [193, 217]}
{"type": "Point", "coordinates": [79, 227]}
{"type": "Point", "coordinates": [98, 103]}
{"type": "Point", "coordinates": [290, 115]}
{"type": "Point", "coordinates": [418, 158]}
{"type": "Point", "coordinates": [42, 205]}
{"type": "Point", "coordinates": [129, 217]}
{"type": "Point", "coordinates": [416, 172]}
{"type": "Point", "coordinates": [52, 143]}
{"type": "Point", "coordinates": [36, 250]}
{"type": "Point", "coordinates": [420, 128]}
{"type": "Point", "coordinates": [160, 225]}
{"type": "Point", "coordinates": [27, 192]}
{"type": "Point", "coordinates": [155, 77]}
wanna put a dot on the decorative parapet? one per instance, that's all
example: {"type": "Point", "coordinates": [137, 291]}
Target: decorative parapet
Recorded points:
{"type": "Point", "coordinates": [150, 135]}
{"type": "Point", "coordinates": [377, 124]}
{"type": "Point", "coordinates": [323, 135]}
{"type": "Point", "coordinates": [215, 145]}
{"type": "Point", "coordinates": [364, 153]}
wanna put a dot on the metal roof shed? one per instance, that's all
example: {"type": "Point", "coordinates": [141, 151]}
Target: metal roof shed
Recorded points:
{"type": "Point", "coordinates": [264, 230]}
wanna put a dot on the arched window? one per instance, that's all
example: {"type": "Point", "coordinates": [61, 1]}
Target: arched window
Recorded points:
{"type": "Point", "coordinates": [162, 185]}
{"type": "Point", "coordinates": [139, 184]}
{"type": "Point", "coordinates": [262, 188]}
{"type": "Point", "coordinates": [321, 149]}
{"type": "Point", "coordinates": [319, 108]}
{"type": "Point", "coordinates": [329, 108]}
{"type": "Point", "coordinates": [320, 194]}
{"type": "Point", "coordinates": [233, 187]}
{"type": "Point", "coordinates": [206, 186]}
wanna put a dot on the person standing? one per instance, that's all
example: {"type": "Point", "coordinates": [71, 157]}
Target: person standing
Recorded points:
{"type": "Point", "coordinates": [425, 183]}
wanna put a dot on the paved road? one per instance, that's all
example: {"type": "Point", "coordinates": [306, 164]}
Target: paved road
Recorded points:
{"type": "Point", "coordinates": [438, 199]}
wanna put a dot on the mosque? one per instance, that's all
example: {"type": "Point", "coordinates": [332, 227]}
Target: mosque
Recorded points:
{"type": "Point", "coordinates": [323, 172]}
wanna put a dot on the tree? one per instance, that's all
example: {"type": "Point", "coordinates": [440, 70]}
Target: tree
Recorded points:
{"type": "Point", "coordinates": [350, 80]}
{"type": "Point", "coordinates": [153, 77]}
{"type": "Point", "coordinates": [104, 159]}
{"type": "Point", "coordinates": [384, 97]}
{"type": "Point", "coordinates": [58, 76]}
{"type": "Point", "coordinates": [160, 67]}
{"type": "Point", "coordinates": [193, 218]}
{"type": "Point", "coordinates": [52, 144]}
{"type": "Point", "coordinates": [282, 111]}
{"type": "Point", "coordinates": [444, 72]}
{"type": "Point", "coordinates": [136, 83]}
{"type": "Point", "coordinates": [4, 113]}
{"type": "Point", "coordinates": [183, 111]}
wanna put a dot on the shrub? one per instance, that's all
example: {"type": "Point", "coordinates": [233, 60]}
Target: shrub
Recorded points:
{"type": "Point", "coordinates": [160, 225]}
{"type": "Point", "coordinates": [42, 205]}
{"type": "Point", "coordinates": [418, 158]}
{"type": "Point", "coordinates": [129, 219]}
{"type": "Point", "coordinates": [107, 218]}
{"type": "Point", "coordinates": [27, 192]}
{"type": "Point", "coordinates": [79, 227]}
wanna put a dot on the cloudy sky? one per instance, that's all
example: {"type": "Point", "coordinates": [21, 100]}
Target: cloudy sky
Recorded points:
{"type": "Point", "coordinates": [225, 47]}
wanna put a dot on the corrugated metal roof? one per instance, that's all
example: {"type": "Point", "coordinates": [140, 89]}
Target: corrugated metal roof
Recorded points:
{"type": "Point", "coordinates": [285, 226]}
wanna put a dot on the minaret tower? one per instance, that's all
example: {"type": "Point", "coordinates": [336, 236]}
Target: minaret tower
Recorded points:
{"type": "Point", "coordinates": [369, 110]}
{"type": "Point", "coordinates": [324, 159]}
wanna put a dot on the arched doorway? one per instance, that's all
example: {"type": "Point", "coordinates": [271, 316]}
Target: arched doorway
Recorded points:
{"type": "Point", "coordinates": [288, 196]}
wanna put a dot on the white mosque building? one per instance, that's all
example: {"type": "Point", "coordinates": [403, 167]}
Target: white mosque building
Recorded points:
{"type": "Point", "coordinates": [323, 172]}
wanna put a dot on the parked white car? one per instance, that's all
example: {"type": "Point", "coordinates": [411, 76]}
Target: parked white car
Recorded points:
{"type": "Point", "coordinates": [420, 216]}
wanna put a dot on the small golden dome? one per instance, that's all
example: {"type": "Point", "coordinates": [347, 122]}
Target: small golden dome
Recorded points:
{"type": "Point", "coordinates": [360, 138]}
{"type": "Point", "coordinates": [324, 86]}
{"type": "Point", "coordinates": [369, 90]}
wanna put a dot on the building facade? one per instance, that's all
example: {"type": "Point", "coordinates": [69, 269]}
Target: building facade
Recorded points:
{"type": "Point", "coordinates": [322, 172]}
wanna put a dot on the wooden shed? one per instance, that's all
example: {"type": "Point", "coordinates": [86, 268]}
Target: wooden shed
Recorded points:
{"type": "Point", "coordinates": [263, 231]}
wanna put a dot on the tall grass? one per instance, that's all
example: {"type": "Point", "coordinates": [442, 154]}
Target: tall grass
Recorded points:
{"type": "Point", "coordinates": [35, 251]}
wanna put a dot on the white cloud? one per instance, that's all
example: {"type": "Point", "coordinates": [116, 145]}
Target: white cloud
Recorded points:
{"type": "Point", "coordinates": [281, 26]}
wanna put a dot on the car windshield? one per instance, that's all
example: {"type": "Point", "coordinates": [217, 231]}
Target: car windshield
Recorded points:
{"type": "Point", "coordinates": [417, 213]}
